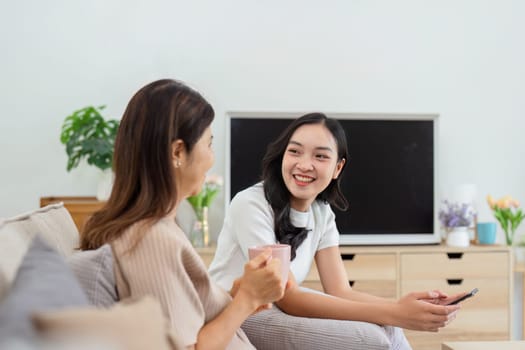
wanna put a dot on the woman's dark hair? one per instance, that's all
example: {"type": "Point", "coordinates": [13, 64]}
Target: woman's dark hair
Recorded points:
{"type": "Point", "coordinates": [278, 194]}
{"type": "Point", "coordinates": [144, 187]}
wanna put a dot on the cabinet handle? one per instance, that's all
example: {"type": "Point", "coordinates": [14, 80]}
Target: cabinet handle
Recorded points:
{"type": "Point", "coordinates": [454, 255]}
{"type": "Point", "coordinates": [347, 256]}
{"type": "Point", "coordinates": [351, 283]}
{"type": "Point", "coordinates": [452, 281]}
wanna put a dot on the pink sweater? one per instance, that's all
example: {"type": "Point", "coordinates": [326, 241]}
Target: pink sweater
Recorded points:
{"type": "Point", "coordinates": [165, 266]}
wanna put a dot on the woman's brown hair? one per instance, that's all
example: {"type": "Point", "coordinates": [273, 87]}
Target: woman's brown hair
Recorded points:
{"type": "Point", "coordinates": [144, 187]}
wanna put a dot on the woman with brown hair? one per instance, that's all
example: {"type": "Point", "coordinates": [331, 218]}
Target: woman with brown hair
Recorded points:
{"type": "Point", "coordinates": [162, 153]}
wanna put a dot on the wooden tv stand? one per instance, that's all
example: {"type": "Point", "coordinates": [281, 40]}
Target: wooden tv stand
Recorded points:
{"type": "Point", "coordinates": [393, 271]}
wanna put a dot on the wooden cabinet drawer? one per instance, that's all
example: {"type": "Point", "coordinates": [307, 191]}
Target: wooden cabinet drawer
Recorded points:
{"type": "Point", "coordinates": [386, 289]}
{"type": "Point", "coordinates": [477, 265]}
{"type": "Point", "coordinates": [370, 273]}
{"type": "Point", "coordinates": [482, 317]}
{"type": "Point", "coordinates": [363, 267]}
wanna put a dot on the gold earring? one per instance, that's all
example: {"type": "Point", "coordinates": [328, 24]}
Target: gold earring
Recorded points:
{"type": "Point", "coordinates": [177, 163]}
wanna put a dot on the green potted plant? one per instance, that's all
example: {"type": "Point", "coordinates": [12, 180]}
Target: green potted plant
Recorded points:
{"type": "Point", "coordinates": [88, 135]}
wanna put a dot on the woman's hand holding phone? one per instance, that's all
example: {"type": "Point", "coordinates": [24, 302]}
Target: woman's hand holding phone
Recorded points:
{"type": "Point", "coordinates": [437, 297]}
{"type": "Point", "coordinates": [463, 297]}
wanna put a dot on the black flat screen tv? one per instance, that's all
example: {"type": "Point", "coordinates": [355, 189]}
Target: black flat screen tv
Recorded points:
{"type": "Point", "coordinates": [390, 180]}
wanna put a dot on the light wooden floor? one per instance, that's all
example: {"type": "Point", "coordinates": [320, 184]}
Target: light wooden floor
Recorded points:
{"type": "Point", "coordinates": [484, 345]}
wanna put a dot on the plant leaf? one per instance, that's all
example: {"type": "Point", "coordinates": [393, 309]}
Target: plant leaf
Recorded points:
{"type": "Point", "coordinates": [87, 135]}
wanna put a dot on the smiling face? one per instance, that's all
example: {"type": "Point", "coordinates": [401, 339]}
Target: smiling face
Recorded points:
{"type": "Point", "coordinates": [310, 163]}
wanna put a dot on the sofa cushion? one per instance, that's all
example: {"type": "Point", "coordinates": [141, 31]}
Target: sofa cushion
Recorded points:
{"type": "Point", "coordinates": [53, 223]}
{"type": "Point", "coordinates": [44, 281]}
{"type": "Point", "coordinates": [13, 247]}
{"type": "Point", "coordinates": [136, 324]}
{"type": "Point", "coordinates": [94, 271]}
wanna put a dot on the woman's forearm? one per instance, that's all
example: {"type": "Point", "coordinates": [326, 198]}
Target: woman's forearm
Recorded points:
{"type": "Point", "coordinates": [305, 304]}
{"type": "Point", "coordinates": [352, 294]}
{"type": "Point", "coordinates": [218, 333]}
{"type": "Point", "coordinates": [412, 311]}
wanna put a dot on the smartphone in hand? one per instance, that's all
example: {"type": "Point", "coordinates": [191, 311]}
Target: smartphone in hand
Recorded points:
{"type": "Point", "coordinates": [466, 296]}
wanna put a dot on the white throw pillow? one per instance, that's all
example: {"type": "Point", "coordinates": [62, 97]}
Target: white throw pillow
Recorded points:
{"type": "Point", "coordinates": [53, 223]}
{"type": "Point", "coordinates": [13, 246]}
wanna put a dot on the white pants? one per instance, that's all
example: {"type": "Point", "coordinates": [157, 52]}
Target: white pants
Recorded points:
{"type": "Point", "coordinates": [275, 330]}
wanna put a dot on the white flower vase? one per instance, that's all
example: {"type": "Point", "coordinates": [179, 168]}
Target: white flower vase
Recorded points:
{"type": "Point", "coordinates": [200, 234]}
{"type": "Point", "coordinates": [105, 184]}
{"type": "Point", "coordinates": [458, 237]}
{"type": "Point", "coordinates": [519, 254]}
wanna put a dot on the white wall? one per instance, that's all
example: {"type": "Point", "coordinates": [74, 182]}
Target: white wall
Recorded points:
{"type": "Point", "coordinates": [462, 59]}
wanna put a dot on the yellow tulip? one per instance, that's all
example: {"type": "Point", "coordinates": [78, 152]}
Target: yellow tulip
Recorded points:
{"type": "Point", "coordinates": [508, 218]}
{"type": "Point", "coordinates": [507, 198]}
{"type": "Point", "coordinates": [503, 203]}
{"type": "Point", "coordinates": [491, 201]}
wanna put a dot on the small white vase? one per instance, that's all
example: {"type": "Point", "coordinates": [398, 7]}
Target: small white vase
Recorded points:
{"type": "Point", "coordinates": [200, 234]}
{"type": "Point", "coordinates": [458, 237]}
{"type": "Point", "coordinates": [105, 184]}
{"type": "Point", "coordinates": [519, 254]}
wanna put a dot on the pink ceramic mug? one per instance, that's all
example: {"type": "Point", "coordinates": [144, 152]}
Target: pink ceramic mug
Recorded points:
{"type": "Point", "coordinates": [279, 251]}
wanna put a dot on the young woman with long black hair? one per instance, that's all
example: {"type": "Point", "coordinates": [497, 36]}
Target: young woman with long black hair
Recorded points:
{"type": "Point", "coordinates": [300, 180]}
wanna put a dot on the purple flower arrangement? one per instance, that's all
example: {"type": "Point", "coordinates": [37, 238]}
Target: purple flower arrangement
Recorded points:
{"type": "Point", "coordinates": [456, 214]}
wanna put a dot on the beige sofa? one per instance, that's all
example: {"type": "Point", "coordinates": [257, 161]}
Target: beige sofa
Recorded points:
{"type": "Point", "coordinates": [49, 289]}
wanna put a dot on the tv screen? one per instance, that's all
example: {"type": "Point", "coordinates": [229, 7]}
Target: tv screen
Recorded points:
{"type": "Point", "coordinates": [389, 179]}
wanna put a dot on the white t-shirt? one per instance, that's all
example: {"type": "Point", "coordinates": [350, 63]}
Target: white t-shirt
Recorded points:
{"type": "Point", "coordinates": [249, 222]}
